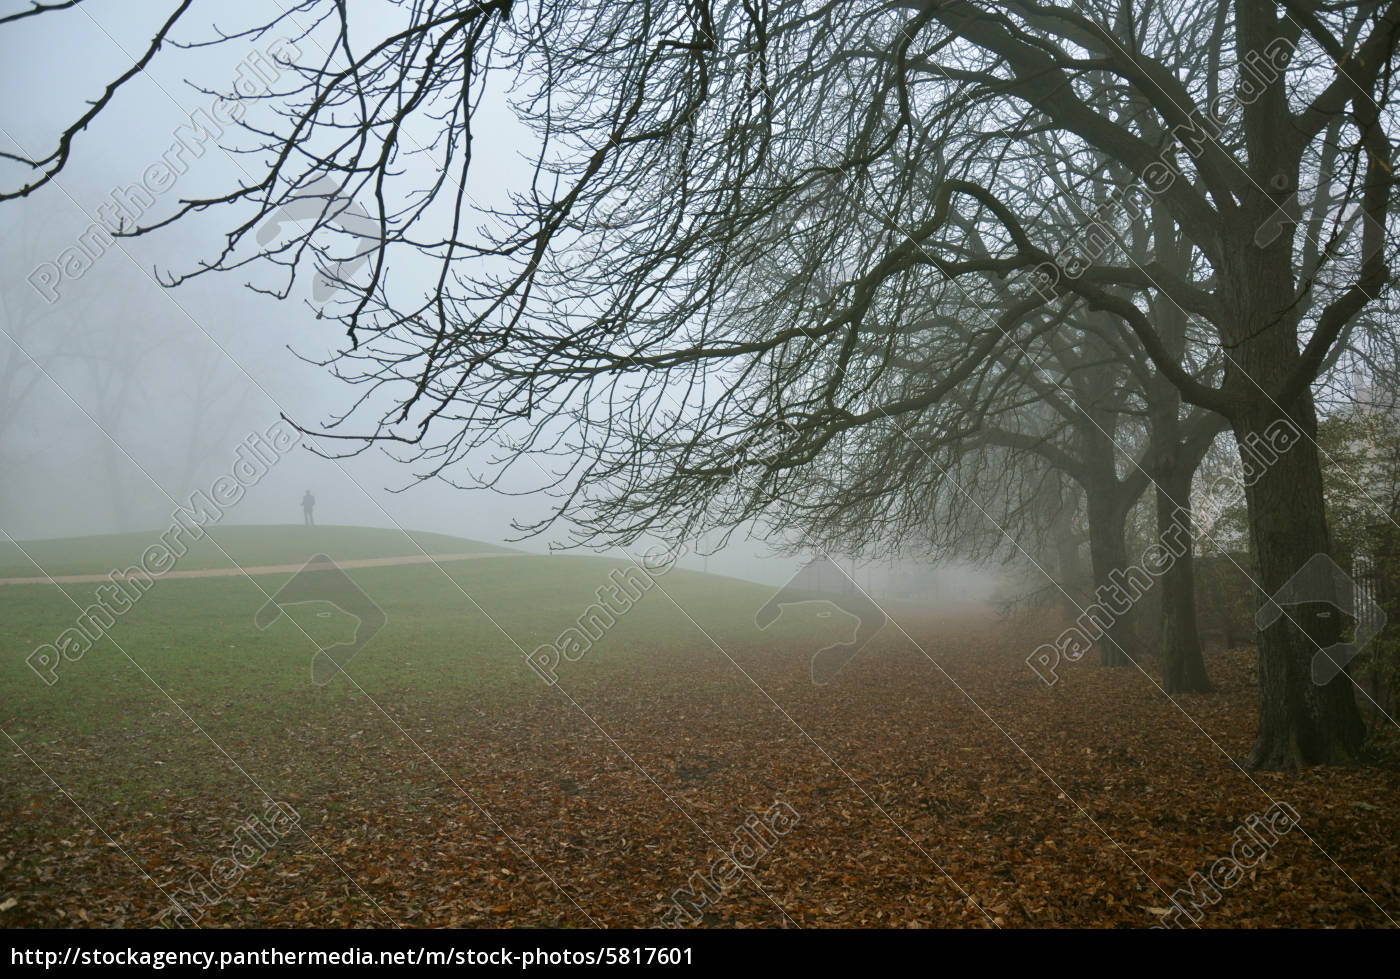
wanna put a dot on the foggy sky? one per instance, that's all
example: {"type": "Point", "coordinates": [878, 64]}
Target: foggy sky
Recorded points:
{"type": "Point", "coordinates": [143, 395]}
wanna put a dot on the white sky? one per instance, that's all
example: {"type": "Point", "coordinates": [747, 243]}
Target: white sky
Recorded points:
{"type": "Point", "coordinates": [48, 66]}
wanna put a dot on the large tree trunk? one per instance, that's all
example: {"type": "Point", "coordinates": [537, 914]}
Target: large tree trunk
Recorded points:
{"type": "Point", "coordinates": [1300, 722]}
{"type": "Point", "coordinates": [1176, 454]}
{"type": "Point", "coordinates": [1115, 602]}
{"type": "Point", "coordinates": [1183, 665]}
{"type": "Point", "coordinates": [1068, 563]}
{"type": "Point", "coordinates": [1174, 465]}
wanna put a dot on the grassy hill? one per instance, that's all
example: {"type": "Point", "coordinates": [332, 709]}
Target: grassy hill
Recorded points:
{"type": "Point", "coordinates": [453, 636]}
{"type": "Point", "coordinates": [246, 545]}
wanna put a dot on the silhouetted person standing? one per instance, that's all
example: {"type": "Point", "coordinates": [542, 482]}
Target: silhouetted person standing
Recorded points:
{"type": "Point", "coordinates": [308, 502]}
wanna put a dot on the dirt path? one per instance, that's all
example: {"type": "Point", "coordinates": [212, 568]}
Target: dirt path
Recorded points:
{"type": "Point", "coordinates": [367, 562]}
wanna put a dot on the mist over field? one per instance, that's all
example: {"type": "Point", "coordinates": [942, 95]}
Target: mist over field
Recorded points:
{"type": "Point", "coordinates": [695, 466]}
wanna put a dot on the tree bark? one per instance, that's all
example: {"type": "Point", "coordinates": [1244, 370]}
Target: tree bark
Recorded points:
{"type": "Point", "coordinates": [1300, 722]}
{"type": "Point", "coordinates": [1108, 557]}
{"type": "Point", "coordinates": [1183, 663]}
{"type": "Point", "coordinates": [1070, 567]}
{"type": "Point", "coordinates": [1174, 462]}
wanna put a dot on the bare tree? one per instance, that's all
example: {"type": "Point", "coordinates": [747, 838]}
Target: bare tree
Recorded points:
{"type": "Point", "coordinates": [611, 301]}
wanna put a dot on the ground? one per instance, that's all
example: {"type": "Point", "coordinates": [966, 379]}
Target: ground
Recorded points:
{"type": "Point", "coordinates": [934, 782]}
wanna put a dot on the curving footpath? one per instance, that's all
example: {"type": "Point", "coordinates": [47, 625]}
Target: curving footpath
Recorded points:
{"type": "Point", "coordinates": [367, 562]}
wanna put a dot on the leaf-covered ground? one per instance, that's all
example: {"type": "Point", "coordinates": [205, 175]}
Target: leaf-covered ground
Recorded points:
{"type": "Point", "coordinates": [936, 782]}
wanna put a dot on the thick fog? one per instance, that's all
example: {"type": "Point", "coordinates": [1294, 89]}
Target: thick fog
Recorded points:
{"type": "Point", "coordinates": [119, 398]}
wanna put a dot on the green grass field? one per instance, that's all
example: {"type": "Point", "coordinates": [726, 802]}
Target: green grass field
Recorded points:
{"type": "Point", "coordinates": [440, 782]}
{"type": "Point", "coordinates": [185, 712]}
{"type": "Point", "coordinates": [225, 547]}
{"type": "Point", "coordinates": [454, 635]}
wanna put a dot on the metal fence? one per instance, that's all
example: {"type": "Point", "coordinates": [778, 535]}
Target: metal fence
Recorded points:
{"type": "Point", "coordinates": [1373, 578]}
